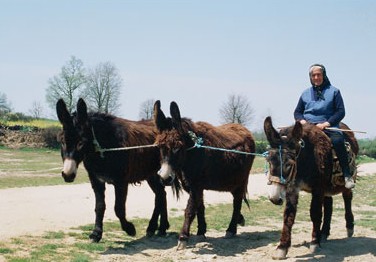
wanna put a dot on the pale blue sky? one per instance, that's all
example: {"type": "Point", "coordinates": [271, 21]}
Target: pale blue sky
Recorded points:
{"type": "Point", "coordinates": [196, 52]}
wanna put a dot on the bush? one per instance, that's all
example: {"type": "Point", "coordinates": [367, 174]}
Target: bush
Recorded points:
{"type": "Point", "coordinates": [49, 135]}
{"type": "Point", "coordinates": [367, 147]}
{"type": "Point", "coordinates": [261, 146]}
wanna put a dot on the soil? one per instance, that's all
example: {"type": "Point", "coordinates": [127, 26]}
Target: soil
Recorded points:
{"type": "Point", "coordinates": [36, 210]}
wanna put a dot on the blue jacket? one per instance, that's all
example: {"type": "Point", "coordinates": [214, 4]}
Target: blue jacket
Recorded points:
{"type": "Point", "coordinates": [316, 108]}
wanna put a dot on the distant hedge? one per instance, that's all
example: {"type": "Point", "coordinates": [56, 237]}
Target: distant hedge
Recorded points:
{"type": "Point", "coordinates": [49, 135]}
{"type": "Point", "coordinates": [367, 147]}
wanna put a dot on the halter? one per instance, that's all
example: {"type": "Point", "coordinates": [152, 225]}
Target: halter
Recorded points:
{"type": "Point", "coordinates": [291, 176]}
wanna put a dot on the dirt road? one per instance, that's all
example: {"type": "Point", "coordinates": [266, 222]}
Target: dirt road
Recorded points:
{"type": "Point", "coordinates": [34, 210]}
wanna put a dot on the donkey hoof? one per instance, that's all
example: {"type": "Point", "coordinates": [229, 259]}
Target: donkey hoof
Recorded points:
{"type": "Point", "coordinates": [324, 238]}
{"type": "Point", "coordinates": [350, 232]}
{"type": "Point", "coordinates": [229, 234]}
{"type": "Point", "coordinates": [314, 247]}
{"type": "Point", "coordinates": [280, 254]}
{"type": "Point", "coordinates": [241, 221]}
{"type": "Point", "coordinates": [182, 244]}
{"type": "Point", "coordinates": [95, 236]}
{"type": "Point", "coordinates": [150, 233]}
{"type": "Point", "coordinates": [130, 229]}
{"type": "Point", "coordinates": [162, 233]}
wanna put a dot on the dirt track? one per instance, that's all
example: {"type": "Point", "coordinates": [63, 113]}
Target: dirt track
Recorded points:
{"type": "Point", "coordinates": [34, 210]}
{"type": "Point", "coordinates": [38, 209]}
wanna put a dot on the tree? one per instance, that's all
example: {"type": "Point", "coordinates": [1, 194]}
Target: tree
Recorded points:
{"type": "Point", "coordinates": [36, 110]}
{"type": "Point", "coordinates": [102, 90]}
{"type": "Point", "coordinates": [146, 109]}
{"type": "Point", "coordinates": [5, 106]}
{"type": "Point", "coordinates": [237, 109]}
{"type": "Point", "coordinates": [67, 85]}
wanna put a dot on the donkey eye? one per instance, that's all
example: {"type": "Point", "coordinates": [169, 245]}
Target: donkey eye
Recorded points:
{"type": "Point", "coordinates": [80, 145]}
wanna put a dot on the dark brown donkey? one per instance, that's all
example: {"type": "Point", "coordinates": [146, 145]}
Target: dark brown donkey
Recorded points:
{"type": "Point", "coordinates": [199, 168]}
{"type": "Point", "coordinates": [82, 138]}
{"type": "Point", "coordinates": [301, 158]}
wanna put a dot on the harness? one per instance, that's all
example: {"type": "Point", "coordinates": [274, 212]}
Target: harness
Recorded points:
{"type": "Point", "coordinates": [294, 169]}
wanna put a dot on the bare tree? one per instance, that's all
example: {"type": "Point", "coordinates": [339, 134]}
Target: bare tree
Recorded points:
{"type": "Point", "coordinates": [67, 84]}
{"type": "Point", "coordinates": [5, 106]}
{"type": "Point", "coordinates": [146, 109]}
{"type": "Point", "coordinates": [237, 109]}
{"type": "Point", "coordinates": [36, 110]}
{"type": "Point", "coordinates": [102, 90]}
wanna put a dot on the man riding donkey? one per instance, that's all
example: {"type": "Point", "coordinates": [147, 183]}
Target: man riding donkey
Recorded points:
{"type": "Point", "coordinates": [322, 105]}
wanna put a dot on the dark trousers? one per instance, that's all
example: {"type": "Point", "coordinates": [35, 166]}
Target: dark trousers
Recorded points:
{"type": "Point", "coordinates": [338, 142]}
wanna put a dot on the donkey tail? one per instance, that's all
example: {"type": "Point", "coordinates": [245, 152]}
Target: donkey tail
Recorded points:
{"type": "Point", "coordinates": [247, 202]}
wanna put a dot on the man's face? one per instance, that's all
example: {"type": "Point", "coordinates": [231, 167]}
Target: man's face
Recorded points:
{"type": "Point", "coordinates": [316, 76]}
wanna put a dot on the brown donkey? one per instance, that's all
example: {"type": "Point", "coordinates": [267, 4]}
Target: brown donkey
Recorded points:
{"type": "Point", "coordinates": [199, 168]}
{"type": "Point", "coordinates": [300, 158]}
{"type": "Point", "coordinates": [82, 137]}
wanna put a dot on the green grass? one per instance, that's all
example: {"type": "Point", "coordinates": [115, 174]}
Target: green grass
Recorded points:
{"type": "Point", "coordinates": [33, 167]}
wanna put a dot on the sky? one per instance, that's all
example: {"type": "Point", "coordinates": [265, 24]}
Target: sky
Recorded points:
{"type": "Point", "coordinates": [196, 52]}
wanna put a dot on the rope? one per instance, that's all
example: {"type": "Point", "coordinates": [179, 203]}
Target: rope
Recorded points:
{"type": "Point", "coordinates": [101, 150]}
{"type": "Point", "coordinates": [199, 144]}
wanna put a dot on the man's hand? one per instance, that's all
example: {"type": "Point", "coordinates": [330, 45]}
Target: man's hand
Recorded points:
{"type": "Point", "coordinates": [324, 125]}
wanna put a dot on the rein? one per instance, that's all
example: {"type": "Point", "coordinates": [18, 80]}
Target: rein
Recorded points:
{"type": "Point", "coordinates": [101, 150]}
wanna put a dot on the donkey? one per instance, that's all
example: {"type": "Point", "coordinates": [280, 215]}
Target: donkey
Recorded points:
{"type": "Point", "coordinates": [82, 137]}
{"type": "Point", "coordinates": [199, 168]}
{"type": "Point", "coordinates": [301, 158]}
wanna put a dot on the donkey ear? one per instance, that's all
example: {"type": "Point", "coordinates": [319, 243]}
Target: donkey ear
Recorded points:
{"type": "Point", "coordinates": [159, 116]}
{"type": "Point", "coordinates": [175, 115]}
{"type": "Point", "coordinates": [297, 131]}
{"type": "Point", "coordinates": [81, 111]}
{"type": "Point", "coordinates": [62, 112]}
{"type": "Point", "coordinates": [271, 133]}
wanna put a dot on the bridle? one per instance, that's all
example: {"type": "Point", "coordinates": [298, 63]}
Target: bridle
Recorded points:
{"type": "Point", "coordinates": [294, 169]}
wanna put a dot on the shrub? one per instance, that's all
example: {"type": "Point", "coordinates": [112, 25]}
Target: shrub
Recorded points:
{"type": "Point", "coordinates": [49, 135]}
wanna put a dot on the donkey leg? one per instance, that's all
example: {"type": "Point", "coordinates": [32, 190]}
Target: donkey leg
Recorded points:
{"type": "Point", "coordinates": [201, 222]}
{"type": "Point", "coordinates": [328, 210]}
{"type": "Point", "coordinates": [236, 208]}
{"type": "Point", "coordinates": [189, 215]}
{"type": "Point", "coordinates": [347, 197]}
{"type": "Point", "coordinates": [121, 191]}
{"type": "Point", "coordinates": [100, 207]}
{"type": "Point", "coordinates": [316, 218]}
{"type": "Point", "coordinates": [160, 209]}
{"type": "Point", "coordinates": [289, 214]}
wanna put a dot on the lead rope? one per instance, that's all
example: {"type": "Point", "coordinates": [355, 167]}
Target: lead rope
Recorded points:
{"type": "Point", "coordinates": [101, 150]}
{"type": "Point", "coordinates": [199, 144]}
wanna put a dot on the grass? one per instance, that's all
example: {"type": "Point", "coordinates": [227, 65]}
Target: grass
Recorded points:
{"type": "Point", "coordinates": [74, 245]}
{"type": "Point", "coordinates": [33, 167]}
